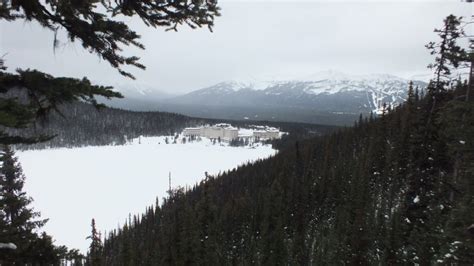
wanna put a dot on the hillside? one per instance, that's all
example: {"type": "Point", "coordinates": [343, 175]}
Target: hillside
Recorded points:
{"type": "Point", "coordinates": [83, 125]}
{"type": "Point", "coordinates": [394, 190]}
{"type": "Point", "coordinates": [327, 97]}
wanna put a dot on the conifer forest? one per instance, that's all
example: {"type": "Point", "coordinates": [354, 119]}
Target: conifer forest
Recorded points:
{"type": "Point", "coordinates": [396, 187]}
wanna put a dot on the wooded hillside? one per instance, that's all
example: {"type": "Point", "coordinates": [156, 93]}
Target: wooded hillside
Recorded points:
{"type": "Point", "coordinates": [393, 190]}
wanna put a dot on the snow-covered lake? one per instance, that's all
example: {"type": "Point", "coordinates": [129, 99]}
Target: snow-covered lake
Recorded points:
{"type": "Point", "coordinates": [72, 186]}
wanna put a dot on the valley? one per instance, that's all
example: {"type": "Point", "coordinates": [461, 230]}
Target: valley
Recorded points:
{"type": "Point", "coordinates": [72, 186]}
{"type": "Point", "coordinates": [236, 133]}
{"type": "Point", "coordinates": [327, 97]}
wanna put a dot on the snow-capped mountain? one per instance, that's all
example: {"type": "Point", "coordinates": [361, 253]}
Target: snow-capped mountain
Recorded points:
{"type": "Point", "coordinates": [327, 91]}
{"type": "Point", "coordinates": [328, 97]}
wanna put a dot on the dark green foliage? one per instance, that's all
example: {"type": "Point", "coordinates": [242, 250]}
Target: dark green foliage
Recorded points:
{"type": "Point", "coordinates": [396, 190]}
{"type": "Point", "coordinates": [388, 191]}
{"type": "Point", "coordinates": [97, 24]}
{"type": "Point", "coordinates": [18, 221]}
{"type": "Point", "coordinates": [95, 249]}
{"type": "Point", "coordinates": [28, 95]}
{"type": "Point", "coordinates": [459, 134]}
{"type": "Point", "coordinates": [82, 125]}
{"type": "Point", "coordinates": [238, 142]}
{"type": "Point", "coordinates": [449, 55]}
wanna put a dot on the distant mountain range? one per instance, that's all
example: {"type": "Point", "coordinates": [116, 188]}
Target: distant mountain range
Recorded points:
{"type": "Point", "coordinates": [327, 97]}
{"type": "Point", "coordinates": [138, 97]}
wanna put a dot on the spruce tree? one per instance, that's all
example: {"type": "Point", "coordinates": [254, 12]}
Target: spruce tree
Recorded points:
{"type": "Point", "coordinates": [449, 54]}
{"type": "Point", "coordinates": [19, 221]}
{"type": "Point", "coordinates": [98, 27]}
{"type": "Point", "coordinates": [449, 57]}
{"type": "Point", "coordinates": [95, 248]}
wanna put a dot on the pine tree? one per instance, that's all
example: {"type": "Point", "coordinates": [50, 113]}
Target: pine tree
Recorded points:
{"type": "Point", "coordinates": [458, 128]}
{"type": "Point", "coordinates": [95, 248]}
{"type": "Point", "coordinates": [449, 55]}
{"type": "Point", "coordinates": [274, 249]}
{"type": "Point", "coordinates": [19, 221]}
{"type": "Point", "coordinates": [95, 25]}
{"type": "Point", "coordinates": [393, 190]}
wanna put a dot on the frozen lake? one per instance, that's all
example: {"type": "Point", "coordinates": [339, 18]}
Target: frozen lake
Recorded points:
{"type": "Point", "coordinates": [72, 186]}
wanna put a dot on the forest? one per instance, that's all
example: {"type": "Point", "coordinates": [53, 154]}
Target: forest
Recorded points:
{"type": "Point", "coordinates": [396, 190]}
{"type": "Point", "coordinates": [82, 124]}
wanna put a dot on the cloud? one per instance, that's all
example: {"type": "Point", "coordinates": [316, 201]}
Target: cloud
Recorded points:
{"type": "Point", "coordinates": [254, 40]}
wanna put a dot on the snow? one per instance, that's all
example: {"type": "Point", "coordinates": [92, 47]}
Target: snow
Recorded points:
{"type": "Point", "coordinates": [323, 82]}
{"type": "Point", "coordinates": [254, 83]}
{"type": "Point", "coordinates": [336, 75]}
{"type": "Point", "coordinates": [7, 246]}
{"type": "Point", "coordinates": [416, 199]}
{"type": "Point", "coordinates": [72, 186]}
{"type": "Point", "coordinates": [245, 132]}
{"type": "Point", "coordinates": [231, 85]}
{"type": "Point", "coordinates": [261, 84]}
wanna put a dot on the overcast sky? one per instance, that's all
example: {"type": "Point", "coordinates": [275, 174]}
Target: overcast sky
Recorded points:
{"type": "Point", "coordinates": [254, 41]}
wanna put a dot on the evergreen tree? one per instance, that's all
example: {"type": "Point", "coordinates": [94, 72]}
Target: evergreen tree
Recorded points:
{"type": "Point", "coordinates": [458, 125]}
{"type": "Point", "coordinates": [95, 248]}
{"type": "Point", "coordinates": [95, 24]}
{"type": "Point", "coordinates": [392, 190]}
{"type": "Point", "coordinates": [378, 193]}
{"type": "Point", "coordinates": [449, 54]}
{"type": "Point", "coordinates": [75, 257]}
{"type": "Point", "coordinates": [19, 222]}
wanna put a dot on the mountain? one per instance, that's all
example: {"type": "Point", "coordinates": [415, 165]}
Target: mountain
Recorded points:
{"type": "Point", "coordinates": [397, 190]}
{"type": "Point", "coordinates": [137, 97]}
{"type": "Point", "coordinates": [328, 93]}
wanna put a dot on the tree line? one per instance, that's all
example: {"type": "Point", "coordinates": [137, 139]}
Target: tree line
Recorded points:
{"type": "Point", "coordinates": [81, 124]}
{"type": "Point", "coordinates": [393, 190]}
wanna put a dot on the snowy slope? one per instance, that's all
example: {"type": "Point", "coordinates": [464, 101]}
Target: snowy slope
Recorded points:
{"type": "Point", "coordinates": [328, 91]}
{"type": "Point", "coordinates": [72, 186]}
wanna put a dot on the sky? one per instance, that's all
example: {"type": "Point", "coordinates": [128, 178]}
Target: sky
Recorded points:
{"type": "Point", "coordinates": [253, 41]}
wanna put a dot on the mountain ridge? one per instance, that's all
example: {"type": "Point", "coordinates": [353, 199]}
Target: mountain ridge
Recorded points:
{"type": "Point", "coordinates": [328, 92]}
{"type": "Point", "coordinates": [327, 97]}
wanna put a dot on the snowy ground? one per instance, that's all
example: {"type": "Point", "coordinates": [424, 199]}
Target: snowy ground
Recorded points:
{"type": "Point", "coordinates": [72, 186]}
